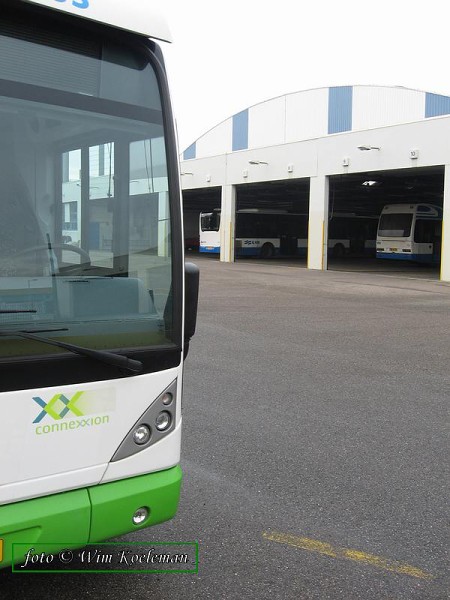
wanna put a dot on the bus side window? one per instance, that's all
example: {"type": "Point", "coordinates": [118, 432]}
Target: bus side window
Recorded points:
{"type": "Point", "coordinates": [424, 231]}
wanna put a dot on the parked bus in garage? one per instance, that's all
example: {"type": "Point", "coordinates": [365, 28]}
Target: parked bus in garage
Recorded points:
{"type": "Point", "coordinates": [349, 233]}
{"type": "Point", "coordinates": [93, 331]}
{"type": "Point", "coordinates": [259, 232]}
{"type": "Point", "coordinates": [267, 233]}
{"type": "Point", "coordinates": [411, 232]}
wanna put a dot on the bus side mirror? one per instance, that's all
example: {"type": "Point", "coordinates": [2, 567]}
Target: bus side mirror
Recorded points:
{"type": "Point", "coordinates": [191, 283]}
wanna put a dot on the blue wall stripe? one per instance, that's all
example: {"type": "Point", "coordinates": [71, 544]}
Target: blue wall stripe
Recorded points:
{"type": "Point", "coordinates": [190, 152]}
{"type": "Point", "coordinates": [340, 102]}
{"type": "Point", "coordinates": [436, 105]}
{"type": "Point", "coordinates": [240, 130]}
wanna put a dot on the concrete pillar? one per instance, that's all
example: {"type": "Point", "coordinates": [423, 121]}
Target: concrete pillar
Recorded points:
{"type": "Point", "coordinates": [445, 252]}
{"type": "Point", "coordinates": [227, 223]}
{"type": "Point", "coordinates": [318, 223]}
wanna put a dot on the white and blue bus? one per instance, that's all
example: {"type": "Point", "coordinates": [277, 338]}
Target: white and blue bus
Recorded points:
{"type": "Point", "coordinates": [96, 304]}
{"type": "Point", "coordinates": [259, 232]}
{"type": "Point", "coordinates": [410, 232]}
{"type": "Point", "coordinates": [267, 233]}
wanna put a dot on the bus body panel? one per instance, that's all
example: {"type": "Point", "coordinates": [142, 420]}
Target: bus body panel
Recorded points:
{"type": "Point", "coordinates": [252, 246]}
{"type": "Point", "coordinates": [138, 16]}
{"type": "Point", "coordinates": [207, 249]}
{"type": "Point", "coordinates": [75, 518]}
{"type": "Point", "coordinates": [52, 484]}
{"type": "Point", "coordinates": [210, 242]}
{"type": "Point", "coordinates": [53, 452]}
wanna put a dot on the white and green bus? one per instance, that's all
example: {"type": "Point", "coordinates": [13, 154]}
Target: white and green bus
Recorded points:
{"type": "Point", "coordinates": [96, 304]}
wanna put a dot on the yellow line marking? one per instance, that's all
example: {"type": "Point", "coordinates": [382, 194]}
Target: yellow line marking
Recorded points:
{"type": "Point", "coordinates": [356, 555]}
{"type": "Point", "coordinates": [301, 542]}
{"type": "Point", "coordinates": [1, 550]}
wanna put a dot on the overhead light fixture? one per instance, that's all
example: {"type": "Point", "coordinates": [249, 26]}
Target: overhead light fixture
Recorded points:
{"type": "Point", "coordinates": [365, 147]}
{"type": "Point", "coordinates": [257, 162]}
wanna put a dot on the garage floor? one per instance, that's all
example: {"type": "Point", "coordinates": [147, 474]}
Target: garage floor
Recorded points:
{"type": "Point", "coordinates": [386, 267]}
{"type": "Point", "coordinates": [356, 265]}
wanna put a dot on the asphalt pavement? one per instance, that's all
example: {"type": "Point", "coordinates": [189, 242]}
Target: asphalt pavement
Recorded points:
{"type": "Point", "coordinates": [314, 443]}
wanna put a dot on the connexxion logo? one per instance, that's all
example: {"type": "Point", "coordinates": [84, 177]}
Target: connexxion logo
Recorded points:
{"type": "Point", "coordinates": [70, 405]}
{"type": "Point", "coordinates": [71, 412]}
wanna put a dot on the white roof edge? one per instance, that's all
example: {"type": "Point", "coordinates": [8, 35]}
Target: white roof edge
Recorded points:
{"type": "Point", "coordinates": [139, 16]}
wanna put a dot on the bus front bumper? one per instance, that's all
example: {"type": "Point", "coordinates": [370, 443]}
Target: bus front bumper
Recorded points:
{"type": "Point", "coordinates": [75, 518]}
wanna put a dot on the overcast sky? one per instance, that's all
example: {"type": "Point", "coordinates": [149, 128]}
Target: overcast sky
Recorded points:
{"type": "Point", "coordinates": [228, 55]}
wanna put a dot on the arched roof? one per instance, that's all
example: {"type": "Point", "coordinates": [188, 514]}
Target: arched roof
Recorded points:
{"type": "Point", "coordinates": [317, 113]}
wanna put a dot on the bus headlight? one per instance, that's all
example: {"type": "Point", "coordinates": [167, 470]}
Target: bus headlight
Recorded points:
{"type": "Point", "coordinates": [142, 435]}
{"type": "Point", "coordinates": [163, 421]}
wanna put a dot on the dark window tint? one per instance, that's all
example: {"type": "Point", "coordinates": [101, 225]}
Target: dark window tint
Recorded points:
{"type": "Point", "coordinates": [395, 225]}
{"type": "Point", "coordinates": [427, 231]}
{"type": "Point", "coordinates": [210, 221]}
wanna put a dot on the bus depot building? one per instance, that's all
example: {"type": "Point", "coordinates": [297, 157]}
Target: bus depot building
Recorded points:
{"type": "Point", "coordinates": [338, 156]}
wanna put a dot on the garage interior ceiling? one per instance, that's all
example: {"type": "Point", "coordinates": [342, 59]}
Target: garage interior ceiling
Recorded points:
{"type": "Point", "coordinates": [202, 199]}
{"type": "Point", "coordinates": [347, 192]}
{"type": "Point", "coordinates": [291, 195]}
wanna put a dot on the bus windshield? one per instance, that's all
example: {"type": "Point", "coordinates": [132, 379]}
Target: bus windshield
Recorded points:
{"type": "Point", "coordinates": [210, 221]}
{"type": "Point", "coordinates": [85, 219]}
{"type": "Point", "coordinates": [395, 225]}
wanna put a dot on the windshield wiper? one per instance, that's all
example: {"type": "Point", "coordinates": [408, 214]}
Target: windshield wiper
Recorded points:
{"type": "Point", "coordinates": [110, 358]}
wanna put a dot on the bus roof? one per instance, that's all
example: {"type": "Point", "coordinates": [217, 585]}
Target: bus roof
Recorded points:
{"type": "Point", "coordinates": [138, 16]}
{"type": "Point", "coordinates": [420, 208]}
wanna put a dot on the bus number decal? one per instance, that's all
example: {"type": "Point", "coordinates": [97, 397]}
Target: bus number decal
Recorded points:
{"type": "Point", "coordinates": [77, 3]}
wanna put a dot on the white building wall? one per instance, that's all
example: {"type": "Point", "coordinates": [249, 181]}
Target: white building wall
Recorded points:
{"type": "Point", "coordinates": [267, 123]}
{"type": "Point", "coordinates": [301, 157]}
{"type": "Point", "coordinates": [429, 138]}
{"type": "Point", "coordinates": [204, 172]}
{"type": "Point", "coordinates": [216, 141]}
{"type": "Point", "coordinates": [325, 155]}
{"type": "Point", "coordinates": [306, 115]}
{"type": "Point", "coordinates": [381, 106]}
